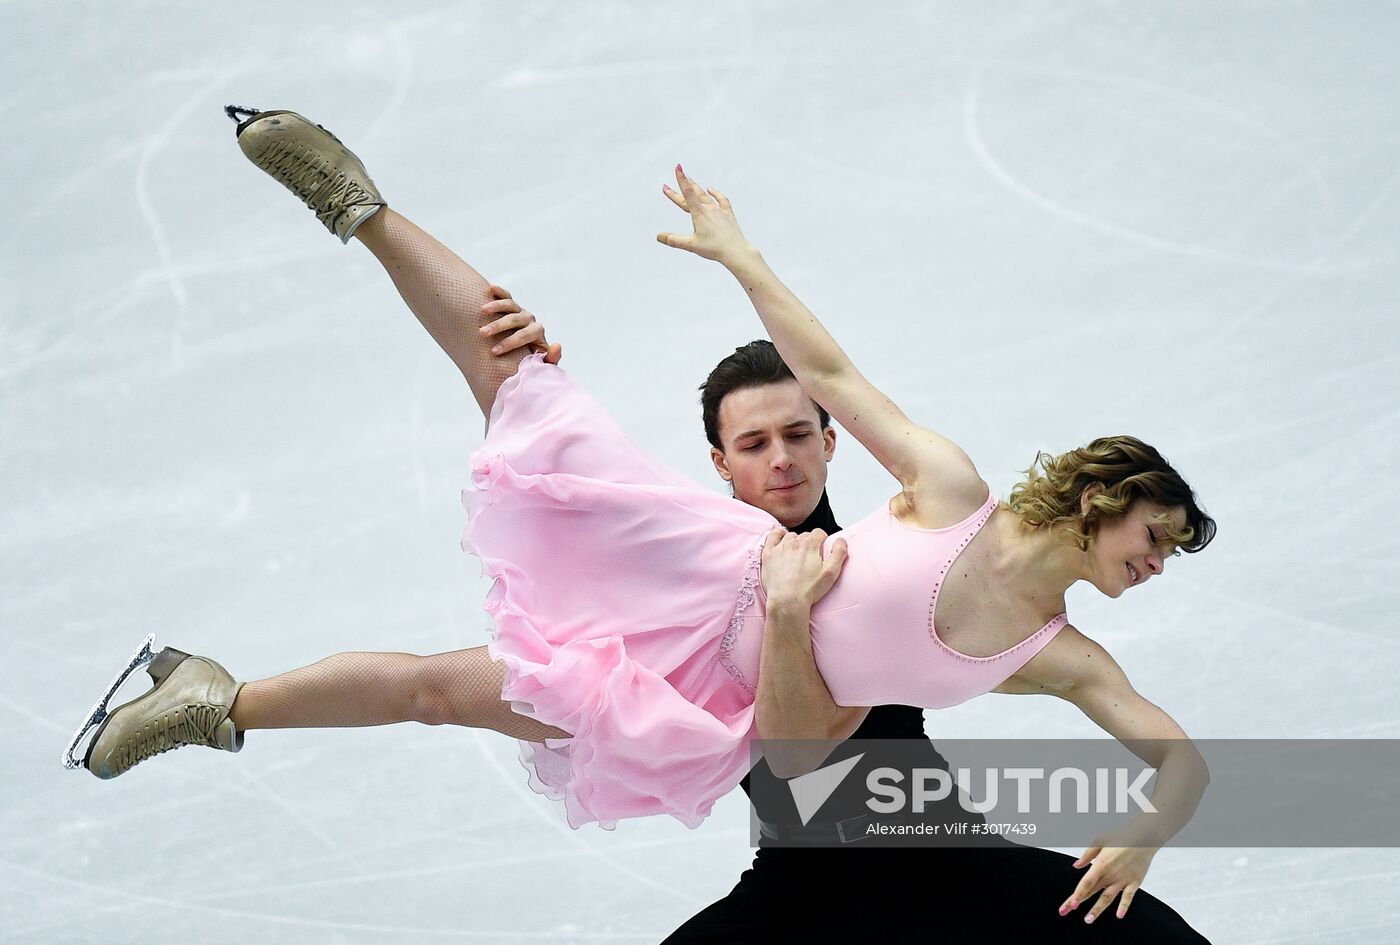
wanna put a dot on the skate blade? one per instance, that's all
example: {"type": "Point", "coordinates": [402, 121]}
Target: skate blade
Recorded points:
{"type": "Point", "coordinates": [142, 657]}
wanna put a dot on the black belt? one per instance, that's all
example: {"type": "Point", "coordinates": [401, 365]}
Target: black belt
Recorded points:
{"type": "Point", "coordinates": [842, 831]}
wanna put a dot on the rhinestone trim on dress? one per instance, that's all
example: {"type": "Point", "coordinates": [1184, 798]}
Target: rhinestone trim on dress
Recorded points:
{"type": "Point", "coordinates": [743, 601]}
{"type": "Point", "coordinates": [992, 504]}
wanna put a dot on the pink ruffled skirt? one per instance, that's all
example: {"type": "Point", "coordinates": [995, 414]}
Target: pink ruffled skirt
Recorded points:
{"type": "Point", "coordinates": [619, 587]}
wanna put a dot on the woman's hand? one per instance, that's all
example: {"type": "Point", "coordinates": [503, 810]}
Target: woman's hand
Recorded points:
{"type": "Point", "coordinates": [717, 235]}
{"type": "Point", "coordinates": [794, 572]}
{"type": "Point", "coordinates": [1115, 870]}
{"type": "Point", "coordinates": [521, 325]}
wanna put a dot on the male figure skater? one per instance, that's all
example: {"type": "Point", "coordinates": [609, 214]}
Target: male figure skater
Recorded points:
{"type": "Point", "coordinates": [825, 879]}
{"type": "Point", "coordinates": [772, 443]}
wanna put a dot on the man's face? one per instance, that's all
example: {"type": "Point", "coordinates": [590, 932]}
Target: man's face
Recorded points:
{"type": "Point", "coordinates": [775, 452]}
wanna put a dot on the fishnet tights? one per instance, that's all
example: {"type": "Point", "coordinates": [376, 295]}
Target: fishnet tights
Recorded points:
{"type": "Point", "coordinates": [462, 687]}
{"type": "Point", "coordinates": [446, 294]}
{"type": "Point", "coordinates": [458, 688]}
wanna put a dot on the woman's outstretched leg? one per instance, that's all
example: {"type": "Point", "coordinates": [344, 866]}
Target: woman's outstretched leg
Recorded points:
{"type": "Point", "coordinates": [442, 291]}
{"type": "Point", "coordinates": [446, 295]}
{"type": "Point", "coordinates": [462, 687]}
{"type": "Point", "coordinates": [196, 702]}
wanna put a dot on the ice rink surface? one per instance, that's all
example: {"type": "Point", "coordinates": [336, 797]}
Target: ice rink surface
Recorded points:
{"type": "Point", "coordinates": [1031, 224]}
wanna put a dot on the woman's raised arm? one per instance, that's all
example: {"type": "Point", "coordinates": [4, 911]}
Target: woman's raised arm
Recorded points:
{"type": "Point", "coordinates": [913, 455]}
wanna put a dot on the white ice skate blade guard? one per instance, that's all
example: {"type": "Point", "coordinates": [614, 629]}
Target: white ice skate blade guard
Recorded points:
{"type": "Point", "coordinates": [142, 657]}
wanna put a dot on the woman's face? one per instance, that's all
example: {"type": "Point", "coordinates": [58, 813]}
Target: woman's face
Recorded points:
{"type": "Point", "coordinates": [1128, 550]}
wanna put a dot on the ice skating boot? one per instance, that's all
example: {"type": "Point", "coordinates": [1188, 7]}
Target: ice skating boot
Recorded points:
{"type": "Point", "coordinates": [312, 163]}
{"type": "Point", "coordinates": [189, 705]}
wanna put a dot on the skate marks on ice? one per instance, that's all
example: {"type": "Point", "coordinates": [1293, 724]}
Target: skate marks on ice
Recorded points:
{"type": "Point", "coordinates": [396, 840]}
{"type": "Point", "coordinates": [998, 171]}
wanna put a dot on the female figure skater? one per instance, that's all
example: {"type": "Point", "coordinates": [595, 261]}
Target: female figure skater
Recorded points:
{"type": "Point", "coordinates": [626, 600]}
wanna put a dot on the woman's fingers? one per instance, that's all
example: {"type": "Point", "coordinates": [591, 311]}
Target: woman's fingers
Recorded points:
{"type": "Point", "coordinates": [677, 241]}
{"type": "Point", "coordinates": [675, 197]}
{"type": "Point", "coordinates": [525, 331]}
{"type": "Point", "coordinates": [517, 339]}
{"type": "Point", "coordinates": [516, 329]}
{"type": "Point", "coordinates": [530, 335]}
{"type": "Point", "coordinates": [716, 231]}
{"type": "Point", "coordinates": [1089, 885]}
{"type": "Point", "coordinates": [507, 322]}
{"type": "Point", "coordinates": [690, 190]}
{"type": "Point", "coordinates": [500, 307]}
{"type": "Point", "coordinates": [1127, 900]}
{"type": "Point", "coordinates": [679, 199]}
{"type": "Point", "coordinates": [1105, 900]}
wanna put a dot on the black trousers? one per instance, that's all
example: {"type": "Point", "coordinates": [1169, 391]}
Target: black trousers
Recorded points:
{"type": "Point", "coordinates": [895, 896]}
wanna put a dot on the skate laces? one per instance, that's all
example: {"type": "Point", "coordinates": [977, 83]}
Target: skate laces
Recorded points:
{"type": "Point", "coordinates": [317, 181]}
{"type": "Point", "coordinates": [186, 725]}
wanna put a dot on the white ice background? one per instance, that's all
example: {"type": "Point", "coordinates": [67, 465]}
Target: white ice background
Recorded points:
{"type": "Point", "coordinates": [1030, 223]}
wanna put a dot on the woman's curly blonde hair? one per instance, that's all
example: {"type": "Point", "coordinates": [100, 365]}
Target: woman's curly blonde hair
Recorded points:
{"type": "Point", "coordinates": [1128, 469]}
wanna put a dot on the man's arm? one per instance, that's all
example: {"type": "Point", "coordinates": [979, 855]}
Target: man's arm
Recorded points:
{"type": "Point", "coordinates": [795, 716]}
{"type": "Point", "coordinates": [798, 721]}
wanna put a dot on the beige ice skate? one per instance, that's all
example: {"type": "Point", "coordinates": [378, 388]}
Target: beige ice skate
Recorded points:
{"type": "Point", "coordinates": [312, 163]}
{"type": "Point", "coordinates": [189, 705]}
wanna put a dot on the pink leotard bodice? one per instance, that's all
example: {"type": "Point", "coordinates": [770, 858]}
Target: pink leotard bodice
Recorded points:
{"type": "Point", "coordinates": [873, 635]}
{"type": "Point", "coordinates": [627, 609]}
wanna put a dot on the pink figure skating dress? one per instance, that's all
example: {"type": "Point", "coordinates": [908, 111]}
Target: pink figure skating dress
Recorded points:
{"type": "Point", "coordinates": [628, 609]}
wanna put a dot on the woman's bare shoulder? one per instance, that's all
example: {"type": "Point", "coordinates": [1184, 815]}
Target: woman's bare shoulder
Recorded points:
{"type": "Point", "coordinates": [1067, 660]}
{"type": "Point", "coordinates": [937, 502]}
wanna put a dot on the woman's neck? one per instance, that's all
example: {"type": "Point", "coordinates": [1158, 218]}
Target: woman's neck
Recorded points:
{"type": "Point", "coordinates": [1038, 563]}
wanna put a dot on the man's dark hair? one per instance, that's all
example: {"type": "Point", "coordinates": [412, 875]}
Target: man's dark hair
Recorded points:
{"type": "Point", "coordinates": [754, 365]}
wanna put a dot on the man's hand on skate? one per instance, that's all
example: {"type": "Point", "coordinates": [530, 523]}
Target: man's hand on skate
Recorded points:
{"type": "Point", "coordinates": [515, 328]}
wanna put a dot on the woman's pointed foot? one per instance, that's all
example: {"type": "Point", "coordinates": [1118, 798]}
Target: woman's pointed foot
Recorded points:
{"type": "Point", "coordinates": [312, 163]}
{"type": "Point", "coordinates": [189, 705]}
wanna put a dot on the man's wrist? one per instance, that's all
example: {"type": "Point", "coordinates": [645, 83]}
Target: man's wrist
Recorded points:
{"type": "Point", "coordinates": [788, 609]}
